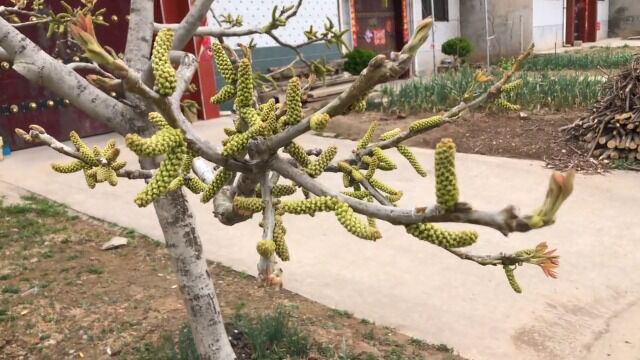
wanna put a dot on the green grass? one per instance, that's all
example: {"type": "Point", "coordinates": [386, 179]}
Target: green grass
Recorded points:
{"type": "Point", "coordinates": [95, 270]}
{"type": "Point", "coordinates": [606, 58]}
{"type": "Point", "coordinates": [10, 289]}
{"type": "Point", "coordinates": [554, 92]}
{"type": "Point", "coordinates": [273, 336]}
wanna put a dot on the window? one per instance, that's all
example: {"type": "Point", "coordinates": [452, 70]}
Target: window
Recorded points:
{"type": "Point", "coordinates": [442, 9]}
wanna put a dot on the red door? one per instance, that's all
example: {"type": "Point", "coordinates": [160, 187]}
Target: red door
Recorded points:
{"type": "Point", "coordinates": [582, 16]}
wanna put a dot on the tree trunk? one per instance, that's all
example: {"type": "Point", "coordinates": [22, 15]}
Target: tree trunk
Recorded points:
{"type": "Point", "coordinates": [195, 282]}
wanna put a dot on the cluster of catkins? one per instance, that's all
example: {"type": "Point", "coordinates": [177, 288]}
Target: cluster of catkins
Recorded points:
{"type": "Point", "coordinates": [174, 168]}
{"type": "Point", "coordinates": [163, 71]}
{"type": "Point", "coordinates": [97, 165]}
{"type": "Point", "coordinates": [502, 102]}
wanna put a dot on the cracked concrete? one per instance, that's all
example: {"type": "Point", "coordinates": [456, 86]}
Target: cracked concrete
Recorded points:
{"type": "Point", "coordinates": [590, 312]}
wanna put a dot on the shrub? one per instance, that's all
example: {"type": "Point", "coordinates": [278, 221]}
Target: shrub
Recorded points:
{"type": "Point", "coordinates": [357, 60]}
{"type": "Point", "coordinates": [457, 47]}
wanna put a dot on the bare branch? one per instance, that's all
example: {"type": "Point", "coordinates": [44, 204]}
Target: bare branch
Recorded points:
{"type": "Point", "coordinates": [77, 66]}
{"type": "Point", "coordinates": [139, 35]}
{"type": "Point", "coordinates": [269, 217]}
{"type": "Point", "coordinates": [190, 23]}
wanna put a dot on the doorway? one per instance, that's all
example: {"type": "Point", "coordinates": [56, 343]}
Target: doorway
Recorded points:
{"type": "Point", "coordinates": [379, 25]}
{"type": "Point", "coordinates": [581, 21]}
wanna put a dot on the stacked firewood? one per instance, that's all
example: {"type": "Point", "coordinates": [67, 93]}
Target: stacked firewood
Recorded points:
{"type": "Point", "coordinates": [611, 130]}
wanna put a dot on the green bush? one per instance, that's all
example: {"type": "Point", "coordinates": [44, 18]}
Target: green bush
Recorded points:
{"type": "Point", "coordinates": [457, 47]}
{"type": "Point", "coordinates": [357, 60]}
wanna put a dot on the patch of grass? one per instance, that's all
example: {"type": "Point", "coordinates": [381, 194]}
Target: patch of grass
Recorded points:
{"type": "Point", "coordinates": [622, 164]}
{"type": "Point", "coordinates": [73, 257]}
{"type": "Point", "coordinates": [96, 270]}
{"type": "Point", "coordinates": [342, 313]}
{"type": "Point", "coordinates": [369, 335]}
{"type": "Point", "coordinates": [443, 348]}
{"type": "Point", "coordinates": [418, 343]}
{"type": "Point", "coordinates": [48, 254]}
{"type": "Point", "coordinates": [10, 289]}
{"type": "Point", "coordinates": [38, 206]}
{"type": "Point", "coordinates": [6, 276]}
{"type": "Point", "coordinates": [273, 336]}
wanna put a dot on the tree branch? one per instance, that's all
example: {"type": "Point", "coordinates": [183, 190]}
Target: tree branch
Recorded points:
{"type": "Point", "coordinates": [379, 70]}
{"type": "Point", "coordinates": [139, 35]}
{"type": "Point", "coordinates": [41, 69]}
{"type": "Point", "coordinates": [506, 221]}
{"type": "Point", "coordinates": [189, 24]}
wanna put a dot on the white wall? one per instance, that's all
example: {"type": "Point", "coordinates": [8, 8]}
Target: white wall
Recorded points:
{"type": "Point", "coordinates": [258, 13]}
{"type": "Point", "coordinates": [444, 31]}
{"type": "Point", "coordinates": [547, 24]}
{"type": "Point", "coordinates": [603, 18]}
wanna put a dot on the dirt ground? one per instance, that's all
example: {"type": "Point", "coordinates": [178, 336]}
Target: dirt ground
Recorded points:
{"type": "Point", "coordinates": [497, 134]}
{"type": "Point", "coordinates": [63, 298]}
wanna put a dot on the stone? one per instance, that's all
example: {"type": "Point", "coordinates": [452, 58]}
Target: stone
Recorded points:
{"type": "Point", "coordinates": [115, 243]}
{"type": "Point", "coordinates": [523, 115]}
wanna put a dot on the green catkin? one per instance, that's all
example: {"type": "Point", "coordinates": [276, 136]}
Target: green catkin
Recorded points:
{"type": "Point", "coordinates": [159, 184]}
{"type": "Point", "coordinates": [511, 277]}
{"type": "Point", "coordinates": [445, 168]}
{"type": "Point", "coordinates": [90, 177]}
{"type": "Point", "coordinates": [424, 124]}
{"type": "Point", "coordinates": [250, 116]}
{"type": "Point", "coordinates": [108, 148]}
{"type": "Point", "coordinates": [160, 143]}
{"type": "Point", "coordinates": [195, 185]}
{"type": "Point", "coordinates": [230, 131]}
{"type": "Point", "coordinates": [158, 120]}
{"type": "Point", "coordinates": [176, 184]}
{"type": "Point", "coordinates": [279, 233]}
{"type": "Point", "coordinates": [381, 166]}
{"type": "Point", "coordinates": [358, 106]}
{"type": "Point", "coordinates": [244, 87]}
{"type": "Point", "coordinates": [384, 187]}
{"type": "Point", "coordinates": [411, 158]}
{"type": "Point", "coordinates": [111, 154]}
{"type": "Point", "coordinates": [504, 104]}
{"type": "Point", "coordinates": [373, 165]}
{"type": "Point", "coordinates": [294, 102]}
{"type": "Point", "coordinates": [360, 195]}
{"type": "Point", "coordinates": [223, 64]}
{"type": "Point", "coordinates": [346, 180]}
{"type": "Point", "coordinates": [317, 167]}
{"type": "Point", "coordinates": [309, 206]}
{"type": "Point", "coordinates": [298, 153]}
{"type": "Point", "coordinates": [351, 171]}
{"type": "Point", "coordinates": [447, 239]}
{"type": "Point", "coordinates": [248, 204]}
{"type": "Point", "coordinates": [85, 152]}
{"type": "Point", "coordinates": [390, 134]}
{"type": "Point", "coordinates": [283, 190]}
{"type": "Point", "coordinates": [68, 168]}
{"type": "Point", "coordinates": [395, 198]}
{"type": "Point", "coordinates": [219, 180]}
{"type": "Point", "coordinates": [319, 122]}
{"type": "Point", "coordinates": [383, 159]}
{"type": "Point", "coordinates": [225, 94]}
{"type": "Point", "coordinates": [163, 71]}
{"type": "Point", "coordinates": [512, 86]}
{"type": "Point", "coordinates": [236, 144]}
{"type": "Point", "coordinates": [366, 138]}
{"type": "Point", "coordinates": [348, 219]}
{"type": "Point", "coordinates": [118, 165]}
{"type": "Point", "coordinates": [266, 248]}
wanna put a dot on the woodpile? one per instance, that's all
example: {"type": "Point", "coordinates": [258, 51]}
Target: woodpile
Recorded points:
{"type": "Point", "coordinates": [611, 129]}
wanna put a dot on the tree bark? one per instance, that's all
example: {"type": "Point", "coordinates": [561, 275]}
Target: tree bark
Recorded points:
{"type": "Point", "coordinates": [195, 282]}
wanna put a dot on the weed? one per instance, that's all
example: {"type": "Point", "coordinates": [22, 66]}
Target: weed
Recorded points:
{"type": "Point", "coordinates": [342, 313]}
{"type": "Point", "coordinates": [443, 348]}
{"type": "Point", "coordinates": [622, 164]}
{"type": "Point", "coordinates": [273, 336]}
{"type": "Point", "coordinates": [418, 343]}
{"type": "Point", "coordinates": [10, 289]}
{"type": "Point", "coordinates": [73, 257]}
{"type": "Point", "coordinates": [5, 276]}
{"type": "Point", "coordinates": [47, 254]}
{"type": "Point", "coordinates": [369, 335]}
{"type": "Point", "coordinates": [94, 269]}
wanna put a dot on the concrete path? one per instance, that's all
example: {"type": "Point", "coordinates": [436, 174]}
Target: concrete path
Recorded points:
{"type": "Point", "coordinates": [591, 312]}
{"type": "Point", "coordinates": [610, 42]}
